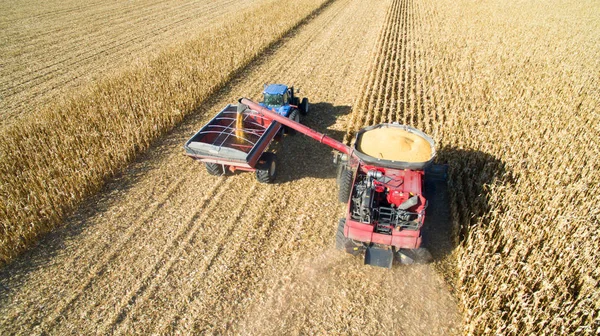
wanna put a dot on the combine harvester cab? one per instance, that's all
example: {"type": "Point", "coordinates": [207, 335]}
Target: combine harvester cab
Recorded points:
{"type": "Point", "coordinates": [385, 203]}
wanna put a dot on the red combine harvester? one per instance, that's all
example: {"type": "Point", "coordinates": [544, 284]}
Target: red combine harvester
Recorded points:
{"type": "Point", "coordinates": [385, 203]}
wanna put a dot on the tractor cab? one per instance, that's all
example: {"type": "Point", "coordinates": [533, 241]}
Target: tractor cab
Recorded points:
{"type": "Point", "coordinates": [281, 99]}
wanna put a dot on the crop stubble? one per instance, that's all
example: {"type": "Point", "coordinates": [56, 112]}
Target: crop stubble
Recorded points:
{"type": "Point", "coordinates": [228, 254]}
{"type": "Point", "coordinates": [50, 48]}
{"type": "Point", "coordinates": [64, 152]}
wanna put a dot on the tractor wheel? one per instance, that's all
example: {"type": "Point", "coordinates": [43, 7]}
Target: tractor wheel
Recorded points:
{"type": "Point", "coordinates": [215, 169]}
{"type": "Point", "coordinates": [340, 239]}
{"type": "Point", "coordinates": [345, 185]}
{"type": "Point", "coordinates": [304, 106]}
{"type": "Point", "coordinates": [295, 116]}
{"type": "Point", "coordinates": [266, 168]}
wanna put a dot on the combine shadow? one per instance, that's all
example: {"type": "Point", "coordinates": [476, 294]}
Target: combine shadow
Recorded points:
{"type": "Point", "coordinates": [301, 156]}
{"type": "Point", "coordinates": [460, 201]}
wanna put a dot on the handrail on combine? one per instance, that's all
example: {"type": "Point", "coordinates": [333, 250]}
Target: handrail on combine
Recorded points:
{"type": "Point", "coordinates": [320, 137]}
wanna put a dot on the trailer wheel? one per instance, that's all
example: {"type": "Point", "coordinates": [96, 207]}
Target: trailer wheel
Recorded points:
{"type": "Point", "coordinates": [340, 239]}
{"type": "Point", "coordinates": [304, 106]}
{"type": "Point", "coordinates": [266, 169]}
{"type": "Point", "coordinates": [295, 116]}
{"type": "Point", "coordinates": [345, 185]}
{"type": "Point", "coordinates": [215, 169]}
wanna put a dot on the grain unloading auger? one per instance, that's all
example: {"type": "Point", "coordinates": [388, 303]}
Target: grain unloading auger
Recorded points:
{"type": "Point", "coordinates": [385, 203]}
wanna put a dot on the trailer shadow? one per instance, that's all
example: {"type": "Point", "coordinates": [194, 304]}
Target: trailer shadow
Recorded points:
{"type": "Point", "coordinates": [300, 156]}
{"type": "Point", "coordinates": [462, 200]}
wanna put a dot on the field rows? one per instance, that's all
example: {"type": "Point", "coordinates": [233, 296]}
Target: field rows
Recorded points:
{"type": "Point", "coordinates": [83, 140]}
{"type": "Point", "coordinates": [176, 250]}
{"type": "Point", "coordinates": [46, 54]}
{"type": "Point", "coordinates": [509, 92]}
{"type": "Point", "coordinates": [394, 90]}
{"type": "Point", "coordinates": [512, 105]}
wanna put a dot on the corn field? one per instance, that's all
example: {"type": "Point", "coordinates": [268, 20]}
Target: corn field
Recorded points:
{"type": "Point", "coordinates": [145, 241]}
{"type": "Point", "coordinates": [510, 91]}
{"type": "Point", "coordinates": [56, 156]}
{"type": "Point", "coordinates": [50, 49]}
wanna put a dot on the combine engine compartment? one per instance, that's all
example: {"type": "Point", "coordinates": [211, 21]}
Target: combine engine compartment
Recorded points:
{"type": "Point", "coordinates": [386, 207]}
{"type": "Point", "coordinates": [383, 205]}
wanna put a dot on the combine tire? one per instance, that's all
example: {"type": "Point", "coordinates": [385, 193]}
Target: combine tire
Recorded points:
{"type": "Point", "coordinates": [215, 169]}
{"type": "Point", "coordinates": [340, 239]}
{"type": "Point", "coordinates": [341, 168]}
{"type": "Point", "coordinates": [295, 116]}
{"type": "Point", "coordinates": [304, 106]}
{"type": "Point", "coordinates": [345, 185]}
{"type": "Point", "coordinates": [266, 169]}
{"type": "Point", "coordinates": [414, 256]}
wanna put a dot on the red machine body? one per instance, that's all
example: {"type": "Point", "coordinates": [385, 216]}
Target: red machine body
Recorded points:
{"type": "Point", "coordinates": [382, 225]}
{"type": "Point", "coordinates": [385, 202]}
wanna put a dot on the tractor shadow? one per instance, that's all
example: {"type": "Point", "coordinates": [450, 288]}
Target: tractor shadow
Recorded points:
{"type": "Point", "coordinates": [462, 200]}
{"type": "Point", "coordinates": [300, 156]}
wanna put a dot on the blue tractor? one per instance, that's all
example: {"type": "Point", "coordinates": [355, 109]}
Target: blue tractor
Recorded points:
{"type": "Point", "coordinates": [281, 99]}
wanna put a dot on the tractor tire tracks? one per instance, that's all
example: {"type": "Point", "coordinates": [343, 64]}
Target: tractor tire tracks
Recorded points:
{"type": "Point", "coordinates": [169, 249]}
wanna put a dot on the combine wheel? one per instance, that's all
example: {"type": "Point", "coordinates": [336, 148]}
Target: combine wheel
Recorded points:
{"type": "Point", "coordinates": [295, 116]}
{"type": "Point", "coordinates": [341, 169]}
{"type": "Point", "coordinates": [266, 169]}
{"type": "Point", "coordinates": [340, 239]}
{"type": "Point", "coordinates": [345, 185]}
{"type": "Point", "coordinates": [414, 256]}
{"type": "Point", "coordinates": [215, 169]}
{"type": "Point", "coordinates": [304, 106]}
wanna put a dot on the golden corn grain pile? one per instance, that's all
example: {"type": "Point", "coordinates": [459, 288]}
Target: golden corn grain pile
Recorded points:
{"type": "Point", "coordinates": [391, 143]}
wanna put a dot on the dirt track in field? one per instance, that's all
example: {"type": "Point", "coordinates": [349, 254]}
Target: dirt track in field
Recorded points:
{"type": "Point", "coordinates": [169, 249]}
{"type": "Point", "coordinates": [51, 47]}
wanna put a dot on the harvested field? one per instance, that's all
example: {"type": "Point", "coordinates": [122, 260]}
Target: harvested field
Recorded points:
{"type": "Point", "coordinates": [49, 48]}
{"type": "Point", "coordinates": [65, 152]}
{"type": "Point", "coordinates": [510, 93]}
{"type": "Point", "coordinates": [170, 249]}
